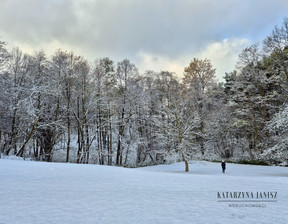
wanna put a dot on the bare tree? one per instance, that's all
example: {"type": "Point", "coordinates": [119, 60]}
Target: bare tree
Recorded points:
{"type": "Point", "coordinates": [198, 81]}
{"type": "Point", "coordinates": [64, 64]}
{"type": "Point", "coordinates": [126, 71]}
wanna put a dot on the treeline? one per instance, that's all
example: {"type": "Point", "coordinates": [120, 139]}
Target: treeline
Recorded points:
{"type": "Point", "coordinates": [107, 113]}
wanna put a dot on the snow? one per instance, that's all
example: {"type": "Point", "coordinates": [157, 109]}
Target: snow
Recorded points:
{"type": "Point", "coordinates": [39, 192]}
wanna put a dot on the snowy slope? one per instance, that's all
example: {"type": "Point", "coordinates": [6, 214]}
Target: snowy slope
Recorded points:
{"type": "Point", "coordinates": [38, 192]}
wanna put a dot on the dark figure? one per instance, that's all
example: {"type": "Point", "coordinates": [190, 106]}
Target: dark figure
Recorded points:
{"type": "Point", "coordinates": [223, 164]}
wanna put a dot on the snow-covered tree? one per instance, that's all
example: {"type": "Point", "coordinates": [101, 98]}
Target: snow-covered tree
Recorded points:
{"type": "Point", "coordinates": [64, 66]}
{"type": "Point", "coordinates": [278, 127]}
{"type": "Point", "coordinates": [199, 80]}
{"type": "Point", "coordinates": [126, 72]}
{"type": "Point", "coordinates": [103, 81]}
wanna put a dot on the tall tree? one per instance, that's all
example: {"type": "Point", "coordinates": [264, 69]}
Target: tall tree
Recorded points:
{"type": "Point", "coordinates": [275, 46]}
{"type": "Point", "coordinates": [4, 98]}
{"type": "Point", "coordinates": [103, 76]}
{"type": "Point", "coordinates": [199, 79]}
{"type": "Point", "coordinates": [64, 64]}
{"type": "Point", "coordinates": [18, 71]}
{"type": "Point", "coordinates": [84, 94]}
{"type": "Point", "coordinates": [126, 71]}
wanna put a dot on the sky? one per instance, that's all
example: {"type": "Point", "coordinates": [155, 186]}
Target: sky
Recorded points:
{"type": "Point", "coordinates": [153, 34]}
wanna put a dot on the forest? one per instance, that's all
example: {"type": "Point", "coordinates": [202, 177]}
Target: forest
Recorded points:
{"type": "Point", "coordinates": [64, 108]}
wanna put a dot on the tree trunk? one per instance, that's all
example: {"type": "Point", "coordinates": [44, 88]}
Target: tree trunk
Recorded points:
{"type": "Point", "coordinates": [185, 160]}
{"type": "Point", "coordinates": [110, 142]}
{"type": "Point", "coordinates": [118, 151]}
{"type": "Point", "coordinates": [21, 151]}
{"type": "Point", "coordinates": [78, 132]}
{"type": "Point", "coordinates": [68, 133]}
{"type": "Point", "coordinates": [120, 133]}
{"type": "Point", "coordinates": [13, 135]}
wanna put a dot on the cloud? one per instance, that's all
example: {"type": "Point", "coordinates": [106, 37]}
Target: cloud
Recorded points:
{"type": "Point", "coordinates": [163, 33]}
{"type": "Point", "coordinates": [159, 63]}
{"type": "Point", "coordinates": [223, 56]}
{"type": "Point", "coordinates": [36, 22]}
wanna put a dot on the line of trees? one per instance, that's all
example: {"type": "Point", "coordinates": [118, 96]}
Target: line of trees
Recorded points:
{"type": "Point", "coordinates": [65, 108]}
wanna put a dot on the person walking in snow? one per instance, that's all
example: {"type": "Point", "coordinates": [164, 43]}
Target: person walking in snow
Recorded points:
{"type": "Point", "coordinates": [223, 165]}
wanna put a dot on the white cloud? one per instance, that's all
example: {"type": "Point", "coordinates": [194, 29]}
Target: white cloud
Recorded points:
{"type": "Point", "coordinates": [167, 33]}
{"type": "Point", "coordinates": [223, 56]}
{"type": "Point", "coordinates": [148, 61]}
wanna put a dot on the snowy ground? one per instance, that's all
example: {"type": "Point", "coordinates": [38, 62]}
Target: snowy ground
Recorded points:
{"type": "Point", "coordinates": [38, 192]}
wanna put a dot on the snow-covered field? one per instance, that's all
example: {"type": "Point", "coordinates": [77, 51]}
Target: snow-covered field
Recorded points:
{"type": "Point", "coordinates": [38, 192]}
